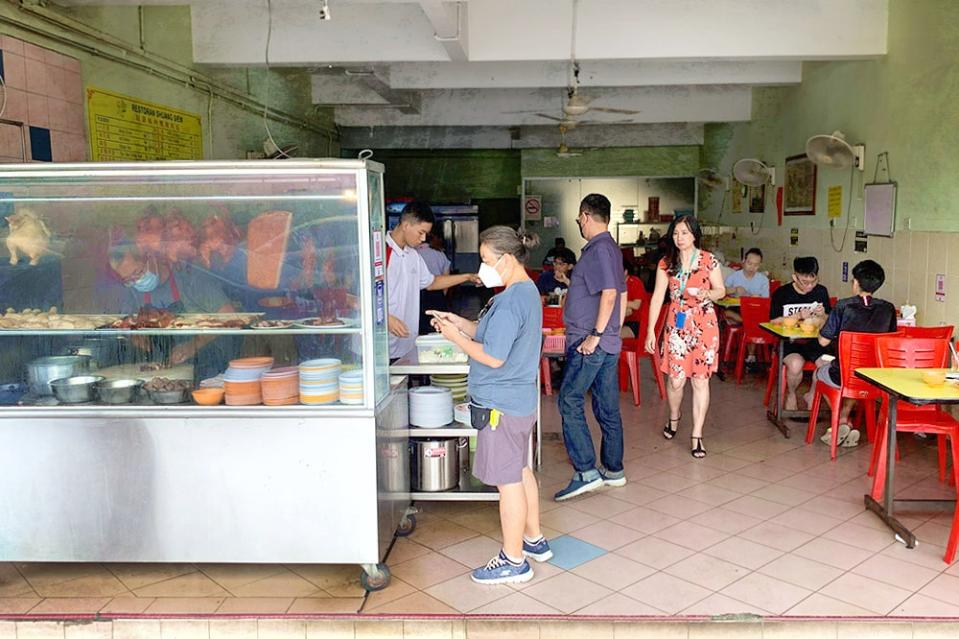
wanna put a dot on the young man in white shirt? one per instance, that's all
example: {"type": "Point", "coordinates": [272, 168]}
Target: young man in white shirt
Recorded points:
{"type": "Point", "coordinates": [407, 274]}
{"type": "Point", "coordinates": [747, 282]}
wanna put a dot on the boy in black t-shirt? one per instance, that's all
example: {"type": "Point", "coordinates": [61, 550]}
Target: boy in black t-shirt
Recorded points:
{"type": "Point", "coordinates": [861, 313]}
{"type": "Point", "coordinates": [804, 298]}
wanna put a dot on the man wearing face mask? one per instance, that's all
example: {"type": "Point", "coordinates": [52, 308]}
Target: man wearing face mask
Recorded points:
{"type": "Point", "coordinates": [407, 274]}
{"type": "Point", "coordinates": [151, 281]}
{"type": "Point", "coordinates": [593, 314]}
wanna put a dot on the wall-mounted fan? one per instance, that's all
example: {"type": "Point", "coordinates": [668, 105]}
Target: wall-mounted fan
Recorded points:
{"type": "Point", "coordinates": [711, 178]}
{"type": "Point", "coordinates": [752, 172]}
{"type": "Point", "coordinates": [833, 152]}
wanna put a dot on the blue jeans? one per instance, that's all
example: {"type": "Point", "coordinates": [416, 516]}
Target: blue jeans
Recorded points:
{"type": "Point", "coordinates": [597, 372]}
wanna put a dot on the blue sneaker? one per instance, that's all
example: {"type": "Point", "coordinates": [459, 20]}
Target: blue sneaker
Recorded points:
{"type": "Point", "coordinates": [540, 551]}
{"type": "Point", "coordinates": [612, 479]}
{"type": "Point", "coordinates": [578, 485]}
{"type": "Point", "coordinates": [501, 570]}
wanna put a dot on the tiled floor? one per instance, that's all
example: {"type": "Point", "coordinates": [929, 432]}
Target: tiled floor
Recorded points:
{"type": "Point", "coordinates": [763, 525]}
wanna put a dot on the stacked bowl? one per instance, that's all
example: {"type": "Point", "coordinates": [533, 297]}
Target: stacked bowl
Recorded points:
{"type": "Point", "coordinates": [319, 381]}
{"type": "Point", "coordinates": [430, 407]}
{"type": "Point", "coordinates": [351, 387]}
{"type": "Point", "coordinates": [281, 386]}
{"type": "Point", "coordinates": [241, 381]}
{"type": "Point", "coordinates": [456, 383]}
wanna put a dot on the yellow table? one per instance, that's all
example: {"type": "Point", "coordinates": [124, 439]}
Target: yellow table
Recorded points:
{"type": "Point", "coordinates": [779, 416]}
{"type": "Point", "coordinates": [728, 302]}
{"type": "Point", "coordinates": [903, 384]}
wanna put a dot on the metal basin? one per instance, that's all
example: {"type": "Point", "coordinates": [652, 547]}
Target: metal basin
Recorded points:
{"type": "Point", "coordinates": [76, 390]}
{"type": "Point", "coordinates": [40, 372]}
{"type": "Point", "coordinates": [118, 391]}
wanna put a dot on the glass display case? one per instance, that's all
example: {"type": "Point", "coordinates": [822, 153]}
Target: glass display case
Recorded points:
{"type": "Point", "coordinates": [225, 313]}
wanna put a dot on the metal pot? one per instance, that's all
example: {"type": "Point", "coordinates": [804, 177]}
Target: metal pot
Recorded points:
{"type": "Point", "coordinates": [76, 390]}
{"type": "Point", "coordinates": [40, 372]}
{"type": "Point", "coordinates": [436, 463]}
{"type": "Point", "coordinates": [101, 350]}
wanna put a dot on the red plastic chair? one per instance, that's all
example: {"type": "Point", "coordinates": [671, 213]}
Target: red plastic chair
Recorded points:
{"type": "Point", "coordinates": [773, 368]}
{"type": "Point", "coordinates": [552, 318]}
{"type": "Point", "coordinates": [773, 285]}
{"type": "Point", "coordinates": [634, 349]}
{"type": "Point", "coordinates": [533, 275]}
{"type": "Point", "coordinates": [754, 310]}
{"type": "Point", "coordinates": [905, 352]}
{"type": "Point", "coordinates": [832, 301]}
{"type": "Point", "coordinates": [933, 332]}
{"type": "Point", "coordinates": [856, 350]}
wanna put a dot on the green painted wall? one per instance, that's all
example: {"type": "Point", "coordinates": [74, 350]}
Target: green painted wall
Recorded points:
{"type": "Point", "coordinates": [450, 175]}
{"type": "Point", "coordinates": [493, 173]}
{"type": "Point", "coordinates": [612, 162]}
{"type": "Point", "coordinates": [166, 32]}
{"type": "Point", "coordinates": [906, 103]}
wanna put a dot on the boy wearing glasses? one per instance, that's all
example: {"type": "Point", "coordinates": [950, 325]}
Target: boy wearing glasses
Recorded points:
{"type": "Point", "coordinates": [804, 298]}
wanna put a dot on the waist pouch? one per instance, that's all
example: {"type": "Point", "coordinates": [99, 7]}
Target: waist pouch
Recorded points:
{"type": "Point", "coordinates": [479, 416]}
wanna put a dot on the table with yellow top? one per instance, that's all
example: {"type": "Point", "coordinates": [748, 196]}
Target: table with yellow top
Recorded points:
{"type": "Point", "coordinates": [780, 414]}
{"type": "Point", "coordinates": [904, 384]}
{"type": "Point", "coordinates": [728, 302]}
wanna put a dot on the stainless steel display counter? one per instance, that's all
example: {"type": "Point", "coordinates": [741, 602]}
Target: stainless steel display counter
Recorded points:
{"type": "Point", "coordinates": [193, 484]}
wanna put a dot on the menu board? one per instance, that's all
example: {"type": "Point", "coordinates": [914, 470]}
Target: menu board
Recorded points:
{"type": "Point", "coordinates": [123, 128]}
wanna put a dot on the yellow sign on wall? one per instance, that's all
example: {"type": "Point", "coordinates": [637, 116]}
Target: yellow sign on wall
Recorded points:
{"type": "Point", "coordinates": [124, 128]}
{"type": "Point", "coordinates": [835, 202]}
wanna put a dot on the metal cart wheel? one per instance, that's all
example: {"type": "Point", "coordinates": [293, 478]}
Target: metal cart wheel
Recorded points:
{"type": "Point", "coordinates": [375, 577]}
{"type": "Point", "coordinates": [407, 526]}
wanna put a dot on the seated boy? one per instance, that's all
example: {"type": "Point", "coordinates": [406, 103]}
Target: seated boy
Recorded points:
{"type": "Point", "coordinates": [551, 283]}
{"type": "Point", "coordinates": [637, 299]}
{"type": "Point", "coordinates": [861, 313]}
{"type": "Point", "coordinates": [804, 298]}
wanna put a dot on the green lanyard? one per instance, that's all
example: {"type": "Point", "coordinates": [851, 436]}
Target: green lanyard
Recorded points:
{"type": "Point", "coordinates": [684, 278]}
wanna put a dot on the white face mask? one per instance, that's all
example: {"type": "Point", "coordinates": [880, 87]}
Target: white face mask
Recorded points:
{"type": "Point", "coordinates": [489, 275]}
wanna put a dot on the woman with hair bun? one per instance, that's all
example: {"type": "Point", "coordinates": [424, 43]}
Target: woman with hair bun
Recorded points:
{"type": "Point", "coordinates": [504, 350]}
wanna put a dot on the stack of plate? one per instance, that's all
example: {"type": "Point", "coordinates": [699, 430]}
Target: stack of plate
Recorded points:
{"type": "Point", "coordinates": [319, 381]}
{"type": "Point", "coordinates": [281, 386]}
{"type": "Point", "coordinates": [456, 384]}
{"type": "Point", "coordinates": [241, 382]}
{"type": "Point", "coordinates": [351, 387]}
{"type": "Point", "coordinates": [431, 407]}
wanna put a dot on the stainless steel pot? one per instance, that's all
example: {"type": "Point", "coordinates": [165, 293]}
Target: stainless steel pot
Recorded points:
{"type": "Point", "coordinates": [40, 372]}
{"type": "Point", "coordinates": [436, 463]}
{"type": "Point", "coordinates": [101, 350]}
{"type": "Point", "coordinates": [76, 390]}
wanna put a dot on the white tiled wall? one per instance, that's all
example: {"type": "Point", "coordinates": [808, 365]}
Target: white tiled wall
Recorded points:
{"type": "Point", "coordinates": [911, 261]}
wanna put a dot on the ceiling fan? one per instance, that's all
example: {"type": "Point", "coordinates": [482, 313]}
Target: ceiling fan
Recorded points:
{"type": "Point", "coordinates": [563, 150]}
{"type": "Point", "coordinates": [577, 105]}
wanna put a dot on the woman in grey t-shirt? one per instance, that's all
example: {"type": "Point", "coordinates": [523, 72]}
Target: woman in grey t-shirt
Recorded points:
{"type": "Point", "coordinates": [504, 350]}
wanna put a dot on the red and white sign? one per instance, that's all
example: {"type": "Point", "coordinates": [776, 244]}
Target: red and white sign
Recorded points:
{"type": "Point", "coordinates": [533, 208]}
{"type": "Point", "coordinates": [940, 287]}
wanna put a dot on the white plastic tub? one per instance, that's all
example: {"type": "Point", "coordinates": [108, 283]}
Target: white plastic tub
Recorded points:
{"type": "Point", "coordinates": [436, 349]}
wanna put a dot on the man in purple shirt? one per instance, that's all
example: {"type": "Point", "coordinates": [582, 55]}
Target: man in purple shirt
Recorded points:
{"type": "Point", "coordinates": [594, 312]}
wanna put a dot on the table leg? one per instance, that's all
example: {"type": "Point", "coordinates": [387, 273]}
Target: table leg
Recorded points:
{"type": "Point", "coordinates": [777, 417]}
{"type": "Point", "coordinates": [885, 510]}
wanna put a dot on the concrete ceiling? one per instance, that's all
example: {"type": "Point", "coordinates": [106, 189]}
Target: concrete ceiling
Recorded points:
{"type": "Point", "coordinates": [482, 64]}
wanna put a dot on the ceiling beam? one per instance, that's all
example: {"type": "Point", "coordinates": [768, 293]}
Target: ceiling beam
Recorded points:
{"type": "Point", "coordinates": [527, 137]}
{"type": "Point", "coordinates": [450, 26]}
{"type": "Point", "coordinates": [514, 107]}
{"type": "Point", "coordinates": [603, 73]}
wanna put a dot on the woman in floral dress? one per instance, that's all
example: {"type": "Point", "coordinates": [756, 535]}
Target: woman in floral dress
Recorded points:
{"type": "Point", "coordinates": [691, 336]}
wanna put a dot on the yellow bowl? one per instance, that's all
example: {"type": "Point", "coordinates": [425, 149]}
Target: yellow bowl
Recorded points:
{"type": "Point", "coordinates": [934, 378]}
{"type": "Point", "coordinates": [807, 328]}
{"type": "Point", "coordinates": [790, 322]}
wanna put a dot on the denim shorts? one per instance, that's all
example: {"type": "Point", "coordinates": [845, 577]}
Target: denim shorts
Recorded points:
{"type": "Point", "coordinates": [502, 454]}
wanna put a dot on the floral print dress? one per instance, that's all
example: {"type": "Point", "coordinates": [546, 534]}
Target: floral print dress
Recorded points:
{"type": "Point", "coordinates": [693, 350]}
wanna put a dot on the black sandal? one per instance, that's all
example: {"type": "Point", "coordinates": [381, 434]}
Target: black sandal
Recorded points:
{"type": "Point", "coordinates": [668, 432]}
{"type": "Point", "coordinates": [697, 451]}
